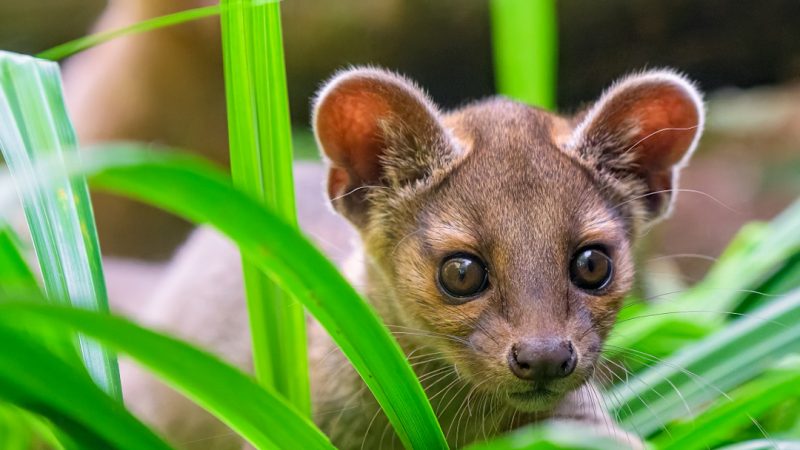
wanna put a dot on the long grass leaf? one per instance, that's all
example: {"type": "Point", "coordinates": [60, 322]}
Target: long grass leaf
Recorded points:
{"type": "Point", "coordinates": [551, 436]}
{"type": "Point", "coordinates": [34, 379]}
{"type": "Point", "coordinates": [34, 125]}
{"type": "Point", "coordinates": [194, 190]}
{"type": "Point", "coordinates": [78, 45]}
{"type": "Point", "coordinates": [261, 164]}
{"type": "Point", "coordinates": [524, 42]}
{"type": "Point", "coordinates": [15, 275]}
{"type": "Point", "coordinates": [707, 370]}
{"type": "Point", "coordinates": [716, 424]}
{"type": "Point", "coordinates": [261, 417]}
{"type": "Point", "coordinates": [758, 263]}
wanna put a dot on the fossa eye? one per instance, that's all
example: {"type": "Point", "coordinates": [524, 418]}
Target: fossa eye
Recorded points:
{"type": "Point", "coordinates": [462, 276]}
{"type": "Point", "coordinates": [591, 269]}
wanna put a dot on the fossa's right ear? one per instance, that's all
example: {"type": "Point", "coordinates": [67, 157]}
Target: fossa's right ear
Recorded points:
{"type": "Point", "coordinates": [377, 130]}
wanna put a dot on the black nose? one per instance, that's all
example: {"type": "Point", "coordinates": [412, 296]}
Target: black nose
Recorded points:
{"type": "Point", "coordinates": [542, 359]}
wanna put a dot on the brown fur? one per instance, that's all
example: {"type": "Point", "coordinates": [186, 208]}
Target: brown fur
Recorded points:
{"type": "Point", "coordinates": [518, 186]}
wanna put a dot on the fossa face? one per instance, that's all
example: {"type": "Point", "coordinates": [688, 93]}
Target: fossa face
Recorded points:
{"type": "Point", "coordinates": [502, 233]}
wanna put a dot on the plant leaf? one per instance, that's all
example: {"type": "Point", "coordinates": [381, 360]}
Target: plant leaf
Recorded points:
{"type": "Point", "coordinates": [35, 379]}
{"type": "Point", "coordinates": [721, 420]}
{"type": "Point", "coordinates": [261, 417]}
{"type": "Point", "coordinates": [15, 275]}
{"type": "Point", "coordinates": [524, 45]}
{"type": "Point", "coordinates": [261, 164]}
{"type": "Point", "coordinates": [704, 371]}
{"type": "Point", "coordinates": [34, 125]}
{"type": "Point", "coordinates": [193, 189]}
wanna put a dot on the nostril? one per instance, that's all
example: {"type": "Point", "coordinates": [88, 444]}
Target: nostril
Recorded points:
{"type": "Point", "coordinates": [542, 359]}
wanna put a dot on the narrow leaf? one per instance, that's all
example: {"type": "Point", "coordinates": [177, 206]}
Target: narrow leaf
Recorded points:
{"type": "Point", "coordinates": [34, 125]}
{"type": "Point", "coordinates": [73, 403]}
{"type": "Point", "coordinates": [261, 164]}
{"type": "Point", "coordinates": [524, 42]}
{"type": "Point", "coordinates": [707, 370]}
{"type": "Point", "coordinates": [196, 191]}
{"type": "Point", "coordinates": [261, 417]}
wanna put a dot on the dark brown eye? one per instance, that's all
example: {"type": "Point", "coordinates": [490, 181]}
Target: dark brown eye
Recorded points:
{"type": "Point", "coordinates": [590, 269]}
{"type": "Point", "coordinates": [463, 275]}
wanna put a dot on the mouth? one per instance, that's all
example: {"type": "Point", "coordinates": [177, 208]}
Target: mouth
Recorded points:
{"type": "Point", "coordinates": [538, 395]}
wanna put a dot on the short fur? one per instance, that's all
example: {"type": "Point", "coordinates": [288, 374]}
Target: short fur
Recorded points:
{"type": "Point", "coordinates": [518, 186]}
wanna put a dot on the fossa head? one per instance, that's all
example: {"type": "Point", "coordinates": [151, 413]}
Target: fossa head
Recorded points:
{"type": "Point", "coordinates": [504, 227]}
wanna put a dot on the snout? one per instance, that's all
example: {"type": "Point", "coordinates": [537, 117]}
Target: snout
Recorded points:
{"type": "Point", "coordinates": [542, 360]}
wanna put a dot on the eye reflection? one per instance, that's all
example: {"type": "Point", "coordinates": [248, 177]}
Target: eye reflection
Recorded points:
{"type": "Point", "coordinates": [591, 269]}
{"type": "Point", "coordinates": [463, 276]}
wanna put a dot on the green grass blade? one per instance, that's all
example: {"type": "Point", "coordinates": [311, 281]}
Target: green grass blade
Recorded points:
{"type": "Point", "coordinates": [551, 436]}
{"type": "Point", "coordinates": [21, 430]}
{"type": "Point", "coordinates": [194, 190]}
{"type": "Point", "coordinates": [706, 370]}
{"type": "Point", "coordinates": [261, 417]}
{"type": "Point", "coordinates": [28, 374]}
{"type": "Point", "coordinates": [760, 253]}
{"type": "Point", "coordinates": [717, 423]}
{"type": "Point", "coordinates": [34, 125]}
{"type": "Point", "coordinates": [763, 444]}
{"type": "Point", "coordinates": [261, 164]}
{"type": "Point", "coordinates": [524, 42]}
{"type": "Point", "coordinates": [77, 45]}
{"type": "Point", "coordinates": [15, 275]}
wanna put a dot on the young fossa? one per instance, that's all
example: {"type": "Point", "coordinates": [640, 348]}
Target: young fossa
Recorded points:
{"type": "Point", "coordinates": [494, 240]}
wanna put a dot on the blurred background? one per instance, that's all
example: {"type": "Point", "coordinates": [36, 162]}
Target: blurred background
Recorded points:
{"type": "Point", "coordinates": [166, 87]}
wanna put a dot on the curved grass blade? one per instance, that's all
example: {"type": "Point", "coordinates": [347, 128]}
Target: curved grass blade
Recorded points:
{"type": "Point", "coordinates": [22, 430]}
{"type": "Point", "coordinates": [261, 417]}
{"type": "Point", "coordinates": [78, 45]}
{"type": "Point", "coordinates": [194, 190]}
{"type": "Point", "coordinates": [73, 403]}
{"type": "Point", "coordinates": [764, 444]}
{"type": "Point", "coordinates": [261, 164]}
{"type": "Point", "coordinates": [706, 370]}
{"type": "Point", "coordinates": [759, 262]}
{"type": "Point", "coordinates": [551, 436]}
{"type": "Point", "coordinates": [34, 125]}
{"type": "Point", "coordinates": [716, 424]}
{"type": "Point", "coordinates": [524, 43]}
{"type": "Point", "coordinates": [15, 275]}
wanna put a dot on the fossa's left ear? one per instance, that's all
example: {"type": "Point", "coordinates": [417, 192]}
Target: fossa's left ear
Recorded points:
{"type": "Point", "coordinates": [640, 133]}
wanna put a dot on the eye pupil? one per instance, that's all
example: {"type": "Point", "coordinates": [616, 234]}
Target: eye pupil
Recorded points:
{"type": "Point", "coordinates": [463, 276]}
{"type": "Point", "coordinates": [591, 269]}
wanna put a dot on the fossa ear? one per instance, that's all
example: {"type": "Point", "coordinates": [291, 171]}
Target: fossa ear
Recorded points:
{"type": "Point", "coordinates": [377, 130]}
{"type": "Point", "coordinates": [641, 132]}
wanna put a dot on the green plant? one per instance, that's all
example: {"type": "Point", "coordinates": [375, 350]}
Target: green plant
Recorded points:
{"type": "Point", "coordinates": [706, 368]}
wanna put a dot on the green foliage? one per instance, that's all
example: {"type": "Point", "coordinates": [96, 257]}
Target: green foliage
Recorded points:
{"type": "Point", "coordinates": [704, 368]}
{"type": "Point", "coordinates": [35, 126]}
{"type": "Point", "coordinates": [265, 419]}
{"type": "Point", "coordinates": [524, 39]}
{"type": "Point", "coordinates": [261, 164]}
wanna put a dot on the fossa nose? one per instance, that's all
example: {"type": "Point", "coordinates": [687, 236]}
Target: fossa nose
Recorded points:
{"type": "Point", "coordinates": [542, 360]}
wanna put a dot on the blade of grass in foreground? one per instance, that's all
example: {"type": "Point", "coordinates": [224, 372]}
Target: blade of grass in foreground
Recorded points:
{"type": "Point", "coordinates": [260, 416]}
{"type": "Point", "coordinates": [15, 275]}
{"type": "Point", "coordinates": [22, 430]}
{"type": "Point", "coordinates": [77, 45]}
{"type": "Point", "coordinates": [705, 371]}
{"type": "Point", "coordinates": [715, 425]}
{"type": "Point", "coordinates": [74, 404]}
{"type": "Point", "coordinates": [524, 42]}
{"type": "Point", "coordinates": [551, 436]}
{"type": "Point", "coordinates": [34, 125]}
{"type": "Point", "coordinates": [194, 190]}
{"type": "Point", "coordinates": [261, 164]}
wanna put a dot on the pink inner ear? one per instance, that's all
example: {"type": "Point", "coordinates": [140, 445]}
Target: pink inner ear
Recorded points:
{"type": "Point", "coordinates": [347, 125]}
{"type": "Point", "coordinates": [666, 118]}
